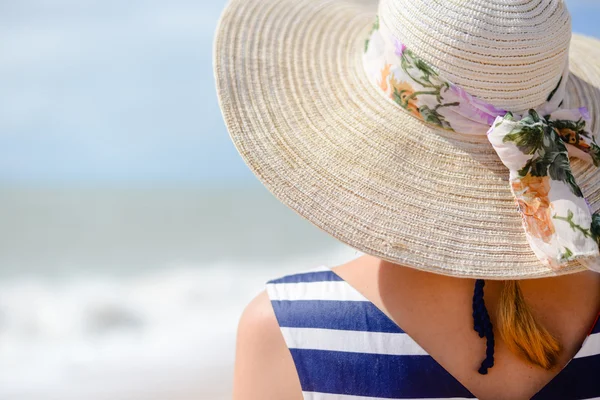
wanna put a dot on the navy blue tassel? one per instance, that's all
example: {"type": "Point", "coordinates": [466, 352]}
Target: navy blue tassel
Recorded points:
{"type": "Point", "coordinates": [483, 326]}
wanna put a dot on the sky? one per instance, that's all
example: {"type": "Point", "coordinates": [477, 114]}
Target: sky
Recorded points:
{"type": "Point", "coordinates": [112, 91]}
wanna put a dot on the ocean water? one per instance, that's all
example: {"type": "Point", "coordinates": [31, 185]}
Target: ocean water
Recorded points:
{"type": "Point", "coordinates": [136, 293]}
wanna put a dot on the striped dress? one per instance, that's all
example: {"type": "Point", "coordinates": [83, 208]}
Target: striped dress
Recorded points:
{"type": "Point", "coordinates": [345, 348]}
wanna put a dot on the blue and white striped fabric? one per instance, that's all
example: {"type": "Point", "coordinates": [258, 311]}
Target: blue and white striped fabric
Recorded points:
{"type": "Point", "coordinates": [345, 348]}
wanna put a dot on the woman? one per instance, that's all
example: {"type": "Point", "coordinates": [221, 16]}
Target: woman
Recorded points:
{"type": "Point", "coordinates": [454, 143]}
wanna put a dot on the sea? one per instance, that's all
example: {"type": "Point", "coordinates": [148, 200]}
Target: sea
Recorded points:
{"type": "Point", "coordinates": [135, 293]}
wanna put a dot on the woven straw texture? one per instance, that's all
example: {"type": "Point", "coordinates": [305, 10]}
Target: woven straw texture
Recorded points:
{"type": "Point", "coordinates": [509, 53]}
{"type": "Point", "coordinates": [311, 126]}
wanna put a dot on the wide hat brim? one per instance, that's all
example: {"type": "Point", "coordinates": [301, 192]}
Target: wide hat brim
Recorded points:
{"type": "Point", "coordinates": [327, 143]}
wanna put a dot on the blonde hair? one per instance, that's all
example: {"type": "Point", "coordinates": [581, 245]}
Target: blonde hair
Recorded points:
{"type": "Point", "coordinates": [521, 331]}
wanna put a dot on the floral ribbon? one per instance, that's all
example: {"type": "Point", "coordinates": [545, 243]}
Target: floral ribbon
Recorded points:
{"type": "Point", "coordinates": [535, 147]}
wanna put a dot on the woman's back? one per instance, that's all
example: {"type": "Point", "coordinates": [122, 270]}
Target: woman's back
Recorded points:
{"type": "Point", "coordinates": [337, 328]}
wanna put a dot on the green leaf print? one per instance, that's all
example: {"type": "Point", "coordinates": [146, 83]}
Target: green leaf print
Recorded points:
{"type": "Point", "coordinates": [413, 65]}
{"type": "Point", "coordinates": [434, 117]}
{"type": "Point", "coordinates": [569, 218]}
{"type": "Point", "coordinates": [373, 29]}
{"type": "Point", "coordinates": [595, 153]}
{"type": "Point", "coordinates": [575, 127]}
{"type": "Point", "coordinates": [529, 137]}
{"type": "Point", "coordinates": [560, 170]}
{"type": "Point", "coordinates": [422, 66]}
{"type": "Point", "coordinates": [535, 135]}
{"type": "Point", "coordinates": [420, 72]}
{"type": "Point", "coordinates": [567, 255]}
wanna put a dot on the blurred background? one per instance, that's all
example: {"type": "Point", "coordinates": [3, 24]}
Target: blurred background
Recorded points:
{"type": "Point", "coordinates": [131, 233]}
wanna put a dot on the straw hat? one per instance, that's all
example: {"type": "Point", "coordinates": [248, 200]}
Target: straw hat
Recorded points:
{"type": "Point", "coordinates": [327, 142]}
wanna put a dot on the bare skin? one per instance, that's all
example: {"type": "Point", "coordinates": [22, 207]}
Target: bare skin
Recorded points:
{"type": "Point", "coordinates": [435, 311]}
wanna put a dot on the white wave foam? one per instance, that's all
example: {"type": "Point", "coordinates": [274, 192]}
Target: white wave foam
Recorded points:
{"type": "Point", "coordinates": [167, 334]}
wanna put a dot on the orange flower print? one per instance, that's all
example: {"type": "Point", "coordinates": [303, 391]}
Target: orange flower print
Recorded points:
{"type": "Point", "coordinates": [385, 73]}
{"type": "Point", "coordinates": [531, 194]}
{"type": "Point", "coordinates": [572, 137]}
{"type": "Point", "coordinates": [401, 94]}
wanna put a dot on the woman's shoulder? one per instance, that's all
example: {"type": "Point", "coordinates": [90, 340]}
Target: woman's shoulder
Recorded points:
{"type": "Point", "coordinates": [258, 315]}
{"type": "Point", "coordinates": [264, 367]}
{"type": "Point", "coordinates": [262, 316]}
{"type": "Point", "coordinates": [314, 283]}
{"type": "Point", "coordinates": [258, 330]}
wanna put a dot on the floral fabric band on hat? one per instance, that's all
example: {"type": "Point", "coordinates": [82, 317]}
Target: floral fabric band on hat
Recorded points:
{"type": "Point", "coordinates": [535, 147]}
{"type": "Point", "coordinates": [556, 217]}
